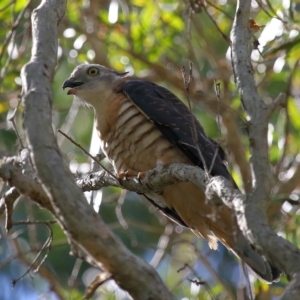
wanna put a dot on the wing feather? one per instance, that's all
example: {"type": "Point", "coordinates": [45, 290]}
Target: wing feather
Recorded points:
{"type": "Point", "coordinates": [174, 120]}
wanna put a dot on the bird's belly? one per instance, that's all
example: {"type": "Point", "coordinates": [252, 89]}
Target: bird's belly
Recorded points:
{"type": "Point", "coordinates": [136, 144]}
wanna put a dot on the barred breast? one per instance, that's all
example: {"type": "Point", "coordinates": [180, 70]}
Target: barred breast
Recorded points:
{"type": "Point", "coordinates": [134, 143]}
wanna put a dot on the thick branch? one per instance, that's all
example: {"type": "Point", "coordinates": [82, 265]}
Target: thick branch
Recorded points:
{"type": "Point", "coordinates": [90, 233]}
{"type": "Point", "coordinates": [25, 185]}
{"type": "Point", "coordinates": [152, 181]}
{"type": "Point", "coordinates": [250, 210]}
{"type": "Point", "coordinates": [256, 109]}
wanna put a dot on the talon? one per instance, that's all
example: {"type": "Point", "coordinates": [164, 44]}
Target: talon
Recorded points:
{"type": "Point", "coordinates": [123, 175]}
{"type": "Point", "coordinates": [141, 175]}
{"type": "Point", "coordinates": [127, 173]}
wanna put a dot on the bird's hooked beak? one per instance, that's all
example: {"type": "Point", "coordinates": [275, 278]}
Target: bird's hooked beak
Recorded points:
{"type": "Point", "coordinates": [72, 84]}
{"type": "Point", "coordinates": [122, 74]}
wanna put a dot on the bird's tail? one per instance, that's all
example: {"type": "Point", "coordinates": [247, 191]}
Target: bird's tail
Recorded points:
{"type": "Point", "coordinates": [248, 254]}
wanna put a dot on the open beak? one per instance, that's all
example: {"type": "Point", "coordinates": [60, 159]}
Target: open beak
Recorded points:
{"type": "Point", "coordinates": [72, 84]}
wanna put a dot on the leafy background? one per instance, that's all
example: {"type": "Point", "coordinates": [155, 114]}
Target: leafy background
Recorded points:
{"type": "Point", "coordinates": [152, 40]}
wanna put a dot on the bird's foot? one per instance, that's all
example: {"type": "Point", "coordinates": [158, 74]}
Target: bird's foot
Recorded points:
{"type": "Point", "coordinates": [123, 175]}
{"type": "Point", "coordinates": [141, 175]}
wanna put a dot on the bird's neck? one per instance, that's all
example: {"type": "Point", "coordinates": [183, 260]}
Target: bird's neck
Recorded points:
{"type": "Point", "coordinates": [106, 113]}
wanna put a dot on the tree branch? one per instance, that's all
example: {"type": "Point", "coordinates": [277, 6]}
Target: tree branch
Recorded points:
{"type": "Point", "coordinates": [218, 190]}
{"type": "Point", "coordinates": [153, 181]}
{"type": "Point", "coordinates": [250, 209]}
{"type": "Point", "coordinates": [255, 108]}
{"type": "Point", "coordinates": [24, 185]}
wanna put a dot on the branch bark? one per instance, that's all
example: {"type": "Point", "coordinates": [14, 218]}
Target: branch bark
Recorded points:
{"type": "Point", "coordinates": [153, 181]}
{"type": "Point", "coordinates": [250, 210]}
{"type": "Point", "coordinates": [90, 234]}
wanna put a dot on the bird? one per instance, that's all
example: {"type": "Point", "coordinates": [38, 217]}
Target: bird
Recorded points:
{"type": "Point", "coordinates": [143, 126]}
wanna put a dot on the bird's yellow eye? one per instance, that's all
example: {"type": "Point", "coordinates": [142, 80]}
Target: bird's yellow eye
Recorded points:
{"type": "Point", "coordinates": [93, 71]}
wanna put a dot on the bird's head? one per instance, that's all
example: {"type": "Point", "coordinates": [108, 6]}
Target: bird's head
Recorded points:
{"type": "Point", "coordinates": [89, 82]}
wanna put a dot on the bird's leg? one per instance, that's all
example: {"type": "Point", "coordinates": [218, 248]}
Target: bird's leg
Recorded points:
{"type": "Point", "coordinates": [141, 175]}
{"type": "Point", "coordinates": [123, 174]}
{"type": "Point", "coordinates": [131, 173]}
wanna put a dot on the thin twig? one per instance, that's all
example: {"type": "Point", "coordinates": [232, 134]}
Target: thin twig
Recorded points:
{"type": "Point", "coordinates": [214, 274]}
{"type": "Point", "coordinates": [264, 10]}
{"type": "Point", "coordinates": [13, 257]}
{"type": "Point", "coordinates": [198, 281]}
{"type": "Point", "coordinates": [14, 27]}
{"type": "Point", "coordinates": [87, 153]}
{"type": "Point", "coordinates": [7, 205]}
{"type": "Point", "coordinates": [246, 274]}
{"type": "Point", "coordinates": [187, 84]}
{"type": "Point", "coordinates": [69, 120]}
{"type": "Point", "coordinates": [98, 281]}
{"type": "Point", "coordinates": [7, 5]}
{"type": "Point", "coordinates": [75, 272]}
{"type": "Point", "coordinates": [9, 58]}
{"type": "Point", "coordinates": [225, 37]}
{"type": "Point", "coordinates": [274, 11]}
{"type": "Point", "coordinates": [162, 245]}
{"type": "Point", "coordinates": [287, 118]}
{"type": "Point", "coordinates": [119, 209]}
{"type": "Point", "coordinates": [188, 26]}
{"type": "Point", "coordinates": [31, 222]}
{"type": "Point", "coordinates": [224, 12]}
{"type": "Point", "coordinates": [122, 220]}
{"type": "Point", "coordinates": [218, 93]}
{"type": "Point", "coordinates": [32, 228]}
{"type": "Point", "coordinates": [46, 245]}
{"type": "Point", "coordinates": [13, 122]}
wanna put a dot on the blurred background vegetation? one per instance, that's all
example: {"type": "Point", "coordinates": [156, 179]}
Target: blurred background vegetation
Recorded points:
{"type": "Point", "coordinates": [152, 40]}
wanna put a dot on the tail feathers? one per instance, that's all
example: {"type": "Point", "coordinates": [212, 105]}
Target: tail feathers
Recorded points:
{"type": "Point", "coordinates": [240, 246]}
{"type": "Point", "coordinates": [254, 260]}
{"type": "Point", "coordinates": [257, 264]}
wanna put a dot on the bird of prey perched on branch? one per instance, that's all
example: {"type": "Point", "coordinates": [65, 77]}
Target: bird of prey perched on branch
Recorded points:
{"type": "Point", "coordinates": [142, 125]}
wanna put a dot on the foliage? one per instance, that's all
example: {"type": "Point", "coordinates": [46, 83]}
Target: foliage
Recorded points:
{"type": "Point", "coordinates": [151, 40]}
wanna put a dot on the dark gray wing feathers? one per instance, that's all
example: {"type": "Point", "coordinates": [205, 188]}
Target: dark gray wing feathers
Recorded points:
{"type": "Point", "coordinates": [174, 120]}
